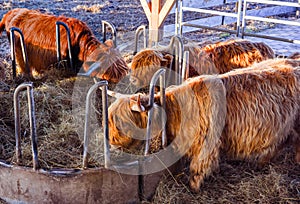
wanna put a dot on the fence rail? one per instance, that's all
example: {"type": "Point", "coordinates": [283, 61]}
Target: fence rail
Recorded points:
{"type": "Point", "coordinates": [240, 15]}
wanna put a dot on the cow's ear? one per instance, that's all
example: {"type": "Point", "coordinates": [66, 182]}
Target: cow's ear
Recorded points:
{"type": "Point", "coordinates": [136, 105]}
{"type": "Point", "coordinates": [167, 60]}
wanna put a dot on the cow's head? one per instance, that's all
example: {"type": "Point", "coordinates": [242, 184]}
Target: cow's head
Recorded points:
{"type": "Point", "coordinates": [127, 119]}
{"type": "Point", "coordinates": [146, 63]}
{"type": "Point", "coordinates": [106, 62]}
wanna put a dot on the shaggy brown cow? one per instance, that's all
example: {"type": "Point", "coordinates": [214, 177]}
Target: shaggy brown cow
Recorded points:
{"type": "Point", "coordinates": [215, 58]}
{"type": "Point", "coordinates": [247, 113]}
{"type": "Point", "coordinates": [39, 33]}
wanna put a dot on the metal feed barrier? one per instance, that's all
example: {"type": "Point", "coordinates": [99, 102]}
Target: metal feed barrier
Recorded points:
{"type": "Point", "coordinates": [175, 48]}
{"type": "Point", "coordinates": [53, 183]}
{"type": "Point", "coordinates": [31, 114]}
{"type": "Point", "coordinates": [105, 26]}
{"type": "Point", "coordinates": [141, 30]}
{"type": "Point", "coordinates": [58, 45]}
{"type": "Point", "coordinates": [13, 51]}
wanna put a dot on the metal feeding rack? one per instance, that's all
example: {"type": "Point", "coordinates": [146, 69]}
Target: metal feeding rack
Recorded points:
{"type": "Point", "coordinates": [86, 185]}
{"type": "Point", "coordinates": [175, 47]}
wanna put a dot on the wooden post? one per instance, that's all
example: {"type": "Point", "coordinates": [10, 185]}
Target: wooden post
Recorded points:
{"type": "Point", "coordinates": [156, 12]}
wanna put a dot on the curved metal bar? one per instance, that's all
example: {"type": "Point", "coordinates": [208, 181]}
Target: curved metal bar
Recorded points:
{"type": "Point", "coordinates": [31, 113]}
{"type": "Point", "coordinates": [176, 45]}
{"type": "Point", "coordinates": [185, 66]}
{"type": "Point", "coordinates": [138, 31]}
{"type": "Point", "coordinates": [158, 74]}
{"type": "Point", "coordinates": [104, 119]}
{"type": "Point", "coordinates": [13, 51]}
{"type": "Point", "coordinates": [113, 31]}
{"type": "Point", "coordinates": [58, 46]}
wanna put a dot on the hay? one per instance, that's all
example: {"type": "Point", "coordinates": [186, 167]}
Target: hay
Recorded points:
{"type": "Point", "coordinates": [238, 182]}
{"type": "Point", "coordinates": [59, 131]}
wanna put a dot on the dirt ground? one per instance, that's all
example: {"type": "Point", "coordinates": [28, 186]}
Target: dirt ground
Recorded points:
{"type": "Point", "coordinates": [237, 182]}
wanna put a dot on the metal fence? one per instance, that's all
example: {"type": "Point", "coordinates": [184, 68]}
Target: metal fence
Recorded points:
{"type": "Point", "coordinates": [240, 15]}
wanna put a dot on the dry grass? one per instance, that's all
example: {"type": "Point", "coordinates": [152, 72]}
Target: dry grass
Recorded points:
{"type": "Point", "coordinates": [96, 8]}
{"type": "Point", "coordinates": [60, 111]}
{"type": "Point", "coordinates": [238, 182]}
{"type": "Point", "coordinates": [60, 114]}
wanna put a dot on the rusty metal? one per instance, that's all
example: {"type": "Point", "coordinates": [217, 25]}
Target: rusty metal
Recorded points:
{"type": "Point", "coordinates": [13, 51]}
{"type": "Point", "coordinates": [32, 122]}
{"type": "Point", "coordinates": [58, 45]}
{"type": "Point", "coordinates": [158, 74]}
{"type": "Point", "coordinates": [185, 66]}
{"type": "Point", "coordinates": [106, 24]}
{"type": "Point", "coordinates": [140, 30]}
{"type": "Point", "coordinates": [103, 85]}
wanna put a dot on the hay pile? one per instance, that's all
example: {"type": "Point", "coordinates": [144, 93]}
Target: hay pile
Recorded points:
{"type": "Point", "coordinates": [238, 182]}
{"type": "Point", "coordinates": [59, 111]}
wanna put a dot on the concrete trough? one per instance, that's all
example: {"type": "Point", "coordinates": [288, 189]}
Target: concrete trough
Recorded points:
{"type": "Point", "coordinates": [98, 185]}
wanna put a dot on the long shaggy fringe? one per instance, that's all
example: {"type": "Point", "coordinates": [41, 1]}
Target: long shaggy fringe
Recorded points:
{"type": "Point", "coordinates": [247, 113]}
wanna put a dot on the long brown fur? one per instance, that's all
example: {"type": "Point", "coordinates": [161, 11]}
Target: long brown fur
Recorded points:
{"type": "Point", "coordinates": [40, 40]}
{"type": "Point", "coordinates": [262, 105]}
{"type": "Point", "coordinates": [215, 58]}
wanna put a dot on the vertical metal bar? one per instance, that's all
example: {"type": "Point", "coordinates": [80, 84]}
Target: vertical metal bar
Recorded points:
{"type": "Point", "coordinates": [181, 17]}
{"type": "Point", "coordinates": [176, 18]}
{"type": "Point", "coordinates": [163, 105]}
{"type": "Point", "coordinates": [138, 31]}
{"type": "Point", "coordinates": [185, 66]}
{"type": "Point", "coordinates": [223, 17]}
{"type": "Point", "coordinates": [105, 123]}
{"type": "Point", "coordinates": [239, 18]}
{"type": "Point", "coordinates": [31, 113]}
{"type": "Point", "coordinates": [58, 48]}
{"type": "Point", "coordinates": [58, 45]}
{"type": "Point", "coordinates": [113, 31]}
{"type": "Point", "coordinates": [159, 73]}
{"type": "Point", "coordinates": [17, 123]}
{"type": "Point", "coordinates": [13, 51]}
{"type": "Point", "coordinates": [176, 45]}
{"type": "Point", "coordinates": [105, 126]}
{"type": "Point", "coordinates": [243, 18]}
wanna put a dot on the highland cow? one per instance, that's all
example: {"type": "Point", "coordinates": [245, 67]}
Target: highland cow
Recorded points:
{"type": "Point", "coordinates": [215, 58]}
{"type": "Point", "coordinates": [40, 40]}
{"type": "Point", "coordinates": [249, 114]}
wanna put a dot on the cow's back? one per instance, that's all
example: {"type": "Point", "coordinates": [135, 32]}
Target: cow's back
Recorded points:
{"type": "Point", "coordinates": [39, 32]}
{"type": "Point", "coordinates": [262, 107]}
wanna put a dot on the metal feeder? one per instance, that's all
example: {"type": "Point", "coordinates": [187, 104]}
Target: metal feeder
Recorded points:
{"type": "Point", "coordinates": [58, 44]}
{"type": "Point", "coordinates": [13, 51]}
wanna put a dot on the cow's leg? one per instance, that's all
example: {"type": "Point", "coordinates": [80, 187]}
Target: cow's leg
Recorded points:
{"type": "Point", "coordinates": [202, 167]}
{"type": "Point", "coordinates": [296, 142]}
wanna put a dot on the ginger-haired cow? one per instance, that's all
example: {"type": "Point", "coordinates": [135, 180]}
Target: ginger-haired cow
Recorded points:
{"type": "Point", "coordinates": [215, 58]}
{"type": "Point", "coordinates": [40, 40]}
{"type": "Point", "coordinates": [247, 113]}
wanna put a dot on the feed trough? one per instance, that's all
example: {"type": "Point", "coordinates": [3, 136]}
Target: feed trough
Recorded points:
{"type": "Point", "coordinates": [113, 182]}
